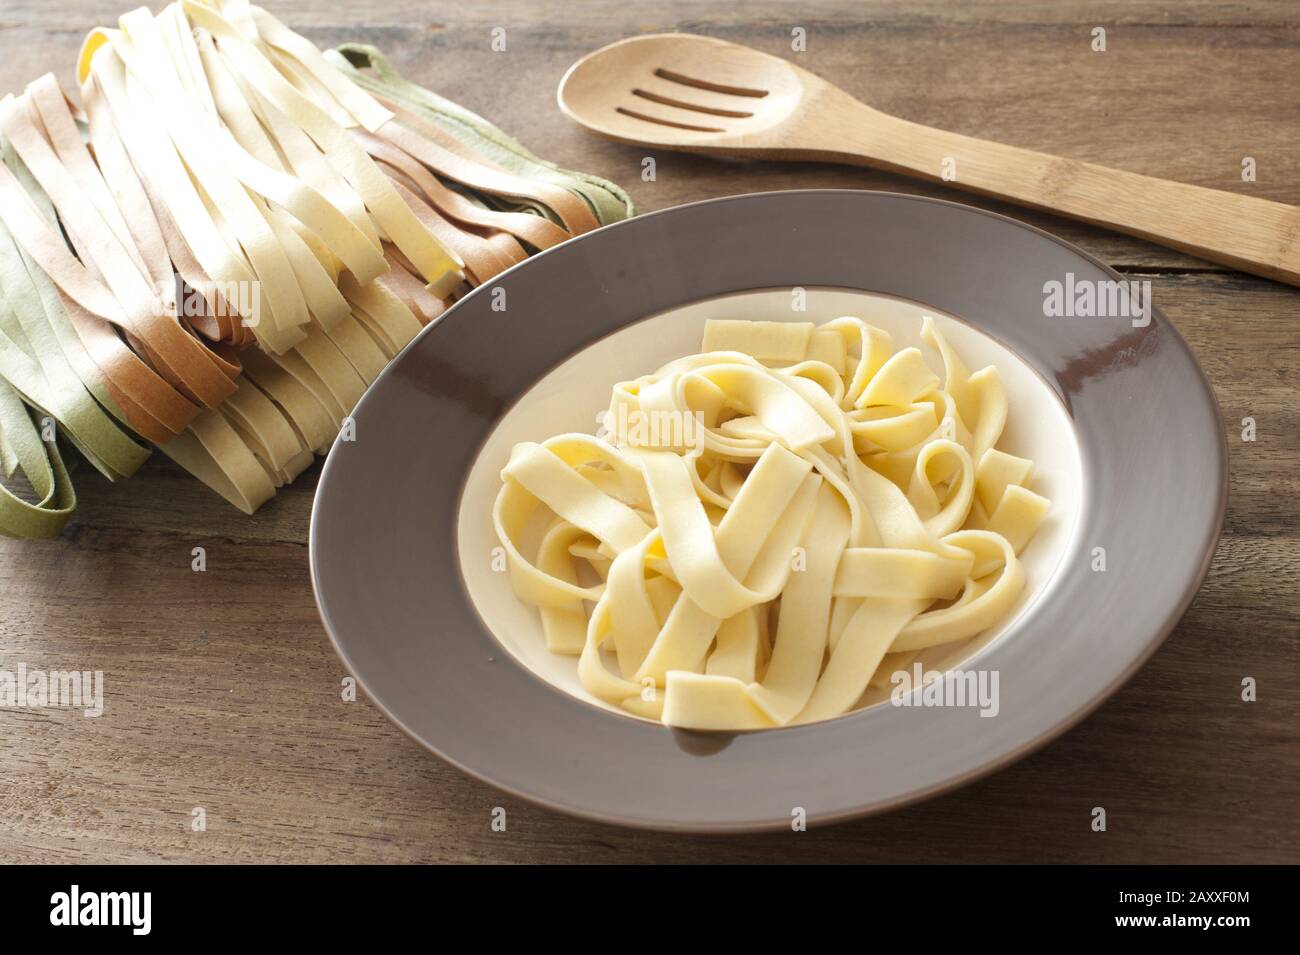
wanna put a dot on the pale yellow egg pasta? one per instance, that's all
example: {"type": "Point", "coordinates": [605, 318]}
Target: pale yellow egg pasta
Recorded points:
{"type": "Point", "coordinates": [768, 525]}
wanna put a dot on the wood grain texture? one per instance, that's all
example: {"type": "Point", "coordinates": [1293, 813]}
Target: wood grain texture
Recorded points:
{"type": "Point", "coordinates": [646, 91]}
{"type": "Point", "coordinates": [222, 691]}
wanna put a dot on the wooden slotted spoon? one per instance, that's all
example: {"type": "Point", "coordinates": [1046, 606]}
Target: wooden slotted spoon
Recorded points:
{"type": "Point", "coordinates": [693, 93]}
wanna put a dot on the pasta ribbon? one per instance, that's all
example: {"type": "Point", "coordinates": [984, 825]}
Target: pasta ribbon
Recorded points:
{"type": "Point", "coordinates": [228, 242]}
{"type": "Point", "coordinates": [798, 511]}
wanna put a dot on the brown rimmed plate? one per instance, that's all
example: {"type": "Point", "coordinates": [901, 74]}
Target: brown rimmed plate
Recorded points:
{"type": "Point", "coordinates": [385, 556]}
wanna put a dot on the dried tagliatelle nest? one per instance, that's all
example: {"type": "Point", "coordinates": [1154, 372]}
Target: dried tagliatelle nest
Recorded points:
{"type": "Point", "coordinates": [770, 523]}
{"type": "Point", "coordinates": [230, 243]}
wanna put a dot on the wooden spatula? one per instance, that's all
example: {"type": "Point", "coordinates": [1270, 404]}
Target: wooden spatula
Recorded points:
{"type": "Point", "coordinates": [693, 93]}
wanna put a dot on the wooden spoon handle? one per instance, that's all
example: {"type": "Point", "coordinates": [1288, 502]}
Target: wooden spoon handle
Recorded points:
{"type": "Point", "coordinates": [1250, 234]}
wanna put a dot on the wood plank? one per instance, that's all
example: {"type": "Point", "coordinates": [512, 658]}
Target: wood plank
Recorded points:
{"type": "Point", "coordinates": [222, 692]}
{"type": "Point", "coordinates": [1022, 73]}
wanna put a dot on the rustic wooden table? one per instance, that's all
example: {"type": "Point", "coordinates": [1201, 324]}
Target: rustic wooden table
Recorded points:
{"type": "Point", "coordinates": [223, 692]}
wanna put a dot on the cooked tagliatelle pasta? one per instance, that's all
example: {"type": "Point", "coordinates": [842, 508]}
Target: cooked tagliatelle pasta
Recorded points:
{"type": "Point", "coordinates": [770, 524]}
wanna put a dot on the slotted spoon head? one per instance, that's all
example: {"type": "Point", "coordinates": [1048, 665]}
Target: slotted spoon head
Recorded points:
{"type": "Point", "coordinates": [680, 91]}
